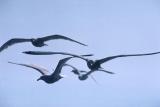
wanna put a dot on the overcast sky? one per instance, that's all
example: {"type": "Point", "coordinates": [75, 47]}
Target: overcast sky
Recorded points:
{"type": "Point", "coordinates": [109, 27]}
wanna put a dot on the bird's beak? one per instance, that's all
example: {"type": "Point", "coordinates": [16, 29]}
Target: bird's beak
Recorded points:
{"type": "Point", "coordinates": [38, 79]}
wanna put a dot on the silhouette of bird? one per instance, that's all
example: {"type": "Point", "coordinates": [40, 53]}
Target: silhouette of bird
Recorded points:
{"type": "Point", "coordinates": [37, 42]}
{"type": "Point", "coordinates": [81, 73]}
{"type": "Point", "coordinates": [93, 65]}
{"type": "Point", "coordinates": [52, 78]}
{"type": "Point", "coordinates": [77, 72]}
{"type": "Point", "coordinates": [85, 76]}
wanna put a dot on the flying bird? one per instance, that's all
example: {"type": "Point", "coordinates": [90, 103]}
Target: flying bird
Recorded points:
{"type": "Point", "coordinates": [52, 78]}
{"type": "Point", "coordinates": [81, 73]}
{"type": "Point", "coordinates": [93, 65]}
{"type": "Point", "coordinates": [37, 42]}
{"type": "Point", "coordinates": [77, 72]}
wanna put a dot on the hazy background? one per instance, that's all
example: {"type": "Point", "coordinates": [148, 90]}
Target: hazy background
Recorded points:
{"type": "Point", "coordinates": [109, 27]}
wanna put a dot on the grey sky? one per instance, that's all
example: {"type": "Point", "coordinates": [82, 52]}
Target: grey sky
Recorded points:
{"type": "Point", "coordinates": [108, 27]}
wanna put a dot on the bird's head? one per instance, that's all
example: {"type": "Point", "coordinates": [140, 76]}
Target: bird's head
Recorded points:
{"type": "Point", "coordinates": [90, 64]}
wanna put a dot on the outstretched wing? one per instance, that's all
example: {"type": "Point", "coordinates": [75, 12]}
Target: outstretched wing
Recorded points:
{"type": "Point", "coordinates": [90, 72]}
{"type": "Point", "coordinates": [118, 56]}
{"type": "Point", "coordinates": [52, 53]}
{"type": "Point", "coordinates": [75, 70]}
{"type": "Point", "coordinates": [60, 65]}
{"type": "Point", "coordinates": [52, 37]}
{"type": "Point", "coordinates": [43, 71]}
{"type": "Point", "coordinates": [12, 42]}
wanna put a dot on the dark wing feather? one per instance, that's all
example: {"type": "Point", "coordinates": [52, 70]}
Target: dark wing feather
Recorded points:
{"type": "Point", "coordinates": [12, 42]}
{"type": "Point", "coordinates": [75, 70]}
{"type": "Point", "coordinates": [39, 69]}
{"type": "Point", "coordinates": [90, 72]}
{"type": "Point", "coordinates": [52, 53]}
{"type": "Point", "coordinates": [106, 71]}
{"type": "Point", "coordinates": [52, 37]}
{"type": "Point", "coordinates": [61, 63]}
{"type": "Point", "coordinates": [118, 56]}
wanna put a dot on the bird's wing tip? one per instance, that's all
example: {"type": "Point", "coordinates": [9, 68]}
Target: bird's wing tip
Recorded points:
{"type": "Point", "coordinates": [10, 62]}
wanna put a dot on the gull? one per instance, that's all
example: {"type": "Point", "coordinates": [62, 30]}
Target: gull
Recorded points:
{"type": "Point", "coordinates": [37, 42]}
{"type": "Point", "coordinates": [77, 72]}
{"type": "Point", "coordinates": [52, 78]}
{"type": "Point", "coordinates": [80, 74]}
{"type": "Point", "coordinates": [93, 65]}
{"type": "Point", "coordinates": [83, 75]}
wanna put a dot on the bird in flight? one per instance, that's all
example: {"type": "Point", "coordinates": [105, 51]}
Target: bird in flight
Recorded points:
{"type": "Point", "coordinates": [52, 78]}
{"type": "Point", "coordinates": [37, 42]}
{"type": "Point", "coordinates": [81, 73]}
{"type": "Point", "coordinates": [93, 65]}
{"type": "Point", "coordinates": [77, 71]}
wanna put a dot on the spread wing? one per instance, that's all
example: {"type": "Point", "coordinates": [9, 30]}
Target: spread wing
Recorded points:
{"type": "Point", "coordinates": [90, 72]}
{"type": "Point", "coordinates": [75, 70]}
{"type": "Point", "coordinates": [43, 71]}
{"type": "Point", "coordinates": [52, 37]}
{"type": "Point", "coordinates": [12, 42]}
{"type": "Point", "coordinates": [60, 65]}
{"type": "Point", "coordinates": [118, 56]}
{"type": "Point", "coordinates": [52, 53]}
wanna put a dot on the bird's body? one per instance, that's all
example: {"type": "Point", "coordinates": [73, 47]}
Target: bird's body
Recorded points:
{"type": "Point", "coordinates": [93, 65]}
{"type": "Point", "coordinates": [37, 42]}
{"type": "Point", "coordinates": [52, 78]}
